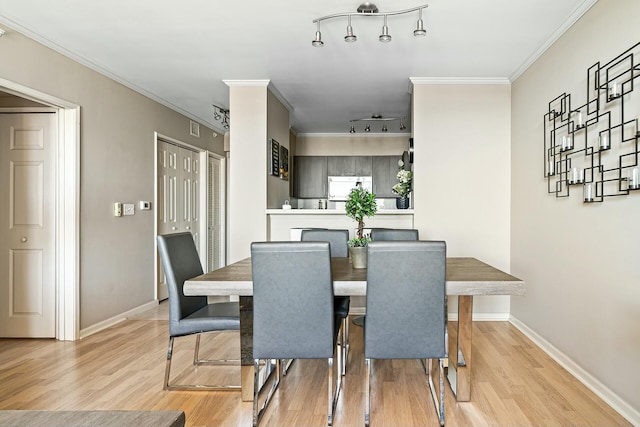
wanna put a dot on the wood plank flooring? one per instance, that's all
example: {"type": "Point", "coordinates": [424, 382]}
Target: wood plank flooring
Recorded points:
{"type": "Point", "coordinates": [514, 383]}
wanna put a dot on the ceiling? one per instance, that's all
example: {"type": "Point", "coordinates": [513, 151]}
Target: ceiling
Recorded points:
{"type": "Point", "coordinates": [179, 53]}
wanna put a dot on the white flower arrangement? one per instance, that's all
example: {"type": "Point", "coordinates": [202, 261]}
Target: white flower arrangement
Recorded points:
{"type": "Point", "coordinates": [405, 179]}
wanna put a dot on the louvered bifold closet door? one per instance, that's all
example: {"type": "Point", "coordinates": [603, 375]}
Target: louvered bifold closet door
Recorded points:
{"type": "Point", "coordinates": [215, 212]}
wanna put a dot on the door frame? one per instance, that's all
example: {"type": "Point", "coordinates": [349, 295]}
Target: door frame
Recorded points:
{"type": "Point", "coordinates": [203, 156]}
{"type": "Point", "coordinates": [67, 208]}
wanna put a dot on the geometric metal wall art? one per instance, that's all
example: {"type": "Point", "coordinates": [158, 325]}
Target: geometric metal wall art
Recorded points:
{"type": "Point", "coordinates": [593, 146]}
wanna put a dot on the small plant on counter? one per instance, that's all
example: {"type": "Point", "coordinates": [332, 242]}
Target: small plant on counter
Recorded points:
{"type": "Point", "coordinates": [361, 203]}
{"type": "Point", "coordinates": [405, 178]}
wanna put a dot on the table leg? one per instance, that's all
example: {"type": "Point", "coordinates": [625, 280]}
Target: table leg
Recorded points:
{"type": "Point", "coordinates": [459, 371]}
{"type": "Point", "coordinates": [246, 348]}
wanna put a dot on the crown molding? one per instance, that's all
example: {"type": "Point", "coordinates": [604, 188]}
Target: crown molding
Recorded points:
{"type": "Point", "coordinates": [459, 80]}
{"type": "Point", "coordinates": [575, 15]}
{"type": "Point", "coordinates": [261, 82]}
{"type": "Point", "coordinates": [274, 90]}
{"type": "Point", "coordinates": [102, 70]}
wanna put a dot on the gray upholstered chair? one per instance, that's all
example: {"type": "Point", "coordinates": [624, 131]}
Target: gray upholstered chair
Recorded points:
{"type": "Point", "coordinates": [190, 315]}
{"type": "Point", "coordinates": [339, 249]}
{"type": "Point", "coordinates": [293, 313]}
{"type": "Point", "coordinates": [406, 308]}
{"type": "Point", "coordinates": [380, 234]}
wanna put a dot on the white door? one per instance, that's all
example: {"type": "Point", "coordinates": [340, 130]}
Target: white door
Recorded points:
{"type": "Point", "coordinates": [27, 232]}
{"type": "Point", "coordinates": [178, 196]}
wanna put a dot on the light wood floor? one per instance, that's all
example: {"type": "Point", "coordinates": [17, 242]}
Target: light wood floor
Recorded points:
{"type": "Point", "coordinates": [514, 383]}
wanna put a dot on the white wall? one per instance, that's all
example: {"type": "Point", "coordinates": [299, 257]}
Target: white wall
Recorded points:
{"type": "Point", "coordinates": [351, 145]}
{"type": "Point", "coordinates": [247, 220]}
{"type": "Point", "coordinates": [579, 260]}
{"type": "Point", "coordinates": [461, 174]}
{"type": "Point", "coordinates": [116, 164]}
{"type": "Point", "coordinates": [278, 129]}
{"type": "Point", "coordinates": [257, 116]}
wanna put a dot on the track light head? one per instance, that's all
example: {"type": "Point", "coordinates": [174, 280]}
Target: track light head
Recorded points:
{"type": "Point", "coordinates": [385, 37]}
{"type": "Point", "coordinates": [317, 42]}
{"type": "Point", "coordinates": [384, 128]}
{"type": "Point", "coordinates": [420, 31]}
{"type": "Point", "coordinates": [367, 128]}
{"type": "Point", "coordinates": [352, 130]}
{"type": "Point", "coordinates": [350, 37]}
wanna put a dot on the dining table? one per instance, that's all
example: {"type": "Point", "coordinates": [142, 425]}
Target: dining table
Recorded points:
{"type": "Point", "coordinates": [466, 277]}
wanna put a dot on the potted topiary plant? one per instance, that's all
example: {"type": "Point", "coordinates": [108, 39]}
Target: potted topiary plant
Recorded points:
{"type": "Point", "coordinates": [361, 203]}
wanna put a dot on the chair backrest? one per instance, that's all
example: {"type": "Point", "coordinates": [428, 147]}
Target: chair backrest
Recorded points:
{"type": "Point", "coordinates": [379, 234]}
{"type": "Point", "coordinates": [337, 240]}
{"type": "Point", "coordinates": [180, 262]}
{"type": "Point", "coordinates": [406, 301]}
{"type": "Point", "coordinates": [293, 314]}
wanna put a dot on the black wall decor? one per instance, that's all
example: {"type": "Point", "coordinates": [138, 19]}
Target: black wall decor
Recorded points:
{"type": "Point", "coordinates": [594, 146]}
{"type": "Point", "coordinates": [274, 157]}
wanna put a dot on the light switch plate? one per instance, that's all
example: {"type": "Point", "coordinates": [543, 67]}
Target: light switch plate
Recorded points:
{"type": "Point", "coordinates": [145, 206]}
{"type": "Point", "coordinates": [129, 209]}
{"type": "Point", "coordinates": [117, 209]}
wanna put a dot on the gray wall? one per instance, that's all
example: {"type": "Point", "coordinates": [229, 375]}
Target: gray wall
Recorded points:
{"type": "Point", "coordinates": [580, 261]}
{"type": "Point", "coordinates": [117, 164]}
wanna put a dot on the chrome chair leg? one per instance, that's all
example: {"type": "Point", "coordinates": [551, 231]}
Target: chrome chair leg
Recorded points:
{"type": "Point", "coordinates": [198, 362]}
{"type": "Point", "coordinates": [258, 413]}
{"type": "Point", "coordinates": [345, 344]}
{"type": "Point", "coordinates": [438, 401]}
{"type": "Point", "coordinates": [333, 391]}
{"type": "Point", "coordinates": [286, 364]}
{"type": "Point", "coordinates": [167, 369]}
{"type": "Point", "coordinates": [196, 387]}
{"type": "Point", "coordinates": [367, 392]}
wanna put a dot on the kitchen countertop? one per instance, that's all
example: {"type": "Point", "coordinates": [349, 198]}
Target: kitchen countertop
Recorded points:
{"type": "Point", "coordinates": [334, 212]}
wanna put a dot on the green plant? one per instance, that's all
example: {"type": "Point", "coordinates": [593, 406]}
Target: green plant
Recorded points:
{"type": "Point", "coordinates": [361, 203]}
{"type": "Point", "coordinates": [405, 178]}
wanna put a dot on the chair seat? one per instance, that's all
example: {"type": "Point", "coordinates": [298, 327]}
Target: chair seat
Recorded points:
{"type": "Point", "coordinates": [341, 306]}
{"type": "Point", "coordinates": [220, 316]}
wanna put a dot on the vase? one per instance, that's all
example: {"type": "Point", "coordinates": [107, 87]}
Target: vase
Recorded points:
{"type": "Point", "coordinates": [358, 256]}
{"type": "Point", "coordinates": [402, 202]}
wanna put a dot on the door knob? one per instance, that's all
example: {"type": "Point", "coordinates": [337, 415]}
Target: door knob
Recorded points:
{"type": "Point", "coordinates": [23, 239]}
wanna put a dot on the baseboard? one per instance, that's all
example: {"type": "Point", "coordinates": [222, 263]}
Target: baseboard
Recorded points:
{"type": "Point", "coordinates": [116, 319]}
{"type": "Point", "coordinates": [453, 317]}
{"type": "Point", "coordinates": [482, 317]}
{"type": "Point", "coordinates": [619, 405]}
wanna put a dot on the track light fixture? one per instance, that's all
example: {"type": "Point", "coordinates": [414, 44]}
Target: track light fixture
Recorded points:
{"type": "Point", "coordinates": [222, 115]}
{"type": "Point", "coordinates": [376, 118]}
{"type": "Point", "coordinates": [369, 10]}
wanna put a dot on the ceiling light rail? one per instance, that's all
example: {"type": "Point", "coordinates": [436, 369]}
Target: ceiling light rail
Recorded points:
{"type": "Point", "coordinates": [222, 115]}
{"type": "Point", "coordinates": [369, 10]}
{"type": "Point", "coordinates": [376, 118]}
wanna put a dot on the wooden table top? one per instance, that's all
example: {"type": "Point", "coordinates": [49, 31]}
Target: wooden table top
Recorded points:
{"type": "Point", "coordinates": [465, 276]}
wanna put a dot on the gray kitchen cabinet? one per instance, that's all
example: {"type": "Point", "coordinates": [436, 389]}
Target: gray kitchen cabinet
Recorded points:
{"type": "Point", "coordinates": [385, 169]}
{"type": "Point", "coordinates": [310, 177]}
{"type": "Point", "coordinates": [364, 167]}
{"type": "Point", "coordinates": [349, 166]}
